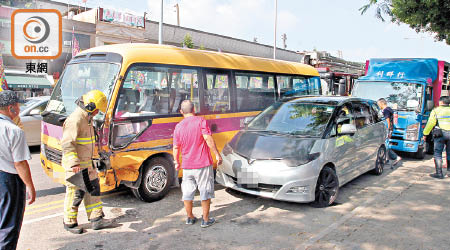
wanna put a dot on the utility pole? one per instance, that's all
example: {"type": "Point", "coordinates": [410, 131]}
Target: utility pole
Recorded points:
{"type": "Point", "coordinates": [275, 32]}
{"type": "Point", "coordinates": [284, 38]}
{"type": "Point", "coordinates": [161, 23]}
{"type": "Point", "coordinates": [177, 9]}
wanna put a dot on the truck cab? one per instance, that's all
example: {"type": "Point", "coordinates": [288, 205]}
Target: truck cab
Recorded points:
{"type": "Point", "coordinates": [412, 88]}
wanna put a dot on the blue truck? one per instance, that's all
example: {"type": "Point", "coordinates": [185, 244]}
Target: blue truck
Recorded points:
{"type": "Point", "coordinates": [412, 87]}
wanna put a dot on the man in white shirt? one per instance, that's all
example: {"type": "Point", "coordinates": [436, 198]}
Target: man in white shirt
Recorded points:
{"type": "Point", "coordinates": [15, 176]}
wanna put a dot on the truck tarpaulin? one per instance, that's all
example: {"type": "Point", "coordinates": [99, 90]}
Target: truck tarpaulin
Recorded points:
{"type": "Point", "coordinates": [414, 69]}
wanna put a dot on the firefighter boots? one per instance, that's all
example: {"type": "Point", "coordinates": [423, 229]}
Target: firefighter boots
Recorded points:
{"type": "Point", "coordinates": [73, 228]}
{"type": "Point", "coordinates": [438, 166]}
{"type": "Point", "coordinates": [101, 223]}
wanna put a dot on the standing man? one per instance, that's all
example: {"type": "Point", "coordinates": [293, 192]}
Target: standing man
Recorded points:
{"type": "Point", "coordinates": [78, 141]}
{"type": "Point", "coordinates": [388, 114]}
{"type": "Point", "coordinates": [15, 176]}
{"type": "Point", "coordinates": [440, 120]}
{"type": "Point", "coordinates": [193, 137]}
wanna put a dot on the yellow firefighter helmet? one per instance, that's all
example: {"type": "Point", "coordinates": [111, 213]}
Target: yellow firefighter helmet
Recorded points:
{"type": "Point", "coordinates": [95, 99]}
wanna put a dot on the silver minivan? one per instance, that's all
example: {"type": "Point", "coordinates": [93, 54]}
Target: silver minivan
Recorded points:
{"type": "Point", "coordinates": [304, 149]}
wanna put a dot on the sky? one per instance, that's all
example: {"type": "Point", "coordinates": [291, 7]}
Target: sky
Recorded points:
{"type": "Point", "coordinates": [324, 25]}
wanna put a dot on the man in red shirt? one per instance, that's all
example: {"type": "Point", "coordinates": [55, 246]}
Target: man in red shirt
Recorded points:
{"type": "Point", "coordinates": [193, 137]}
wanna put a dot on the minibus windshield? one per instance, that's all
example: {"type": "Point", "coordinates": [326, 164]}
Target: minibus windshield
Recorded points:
{"type": "Point", "coordinates": [78, 79]}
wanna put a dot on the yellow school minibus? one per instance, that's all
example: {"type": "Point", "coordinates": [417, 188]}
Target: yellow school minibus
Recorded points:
{"type": "Point", "coordinates": [145, 84]}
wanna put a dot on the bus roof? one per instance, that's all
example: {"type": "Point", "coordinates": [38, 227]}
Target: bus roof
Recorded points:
{"type": "Point", "coordinates": [171, 55]}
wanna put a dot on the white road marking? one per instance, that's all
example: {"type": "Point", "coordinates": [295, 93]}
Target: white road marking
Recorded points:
{"type": "Point", "coordinates": [61, 214]}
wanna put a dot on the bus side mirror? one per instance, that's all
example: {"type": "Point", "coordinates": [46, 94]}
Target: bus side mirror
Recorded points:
{"type": "Point", "coordinates": [429, 106]}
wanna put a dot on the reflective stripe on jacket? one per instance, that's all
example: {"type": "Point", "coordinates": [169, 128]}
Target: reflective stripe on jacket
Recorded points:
{"type": "Point", "coordinates": [442, 114]}
{"type": "Point", "coordinates": [78, 140]}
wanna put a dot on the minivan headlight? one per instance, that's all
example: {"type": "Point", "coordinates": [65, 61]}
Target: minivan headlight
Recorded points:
{"type": "Point", "coordinates": [295, 162]}
{"type": "Point", "coordinates": [412, 132]}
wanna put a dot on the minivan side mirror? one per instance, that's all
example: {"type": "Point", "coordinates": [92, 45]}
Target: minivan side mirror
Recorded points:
{"type": "Point", "coordinates": [348, 129]}
{"type": "Point", "coordinates": [35, 112]}
{"type": "Point", "coordinates": [430, 105]}
{"type": "Point", "coordinates": [247, 120]}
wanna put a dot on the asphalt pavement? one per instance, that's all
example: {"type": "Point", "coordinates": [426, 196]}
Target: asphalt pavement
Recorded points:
{"type": "Point", "coordinates": [402, 209]}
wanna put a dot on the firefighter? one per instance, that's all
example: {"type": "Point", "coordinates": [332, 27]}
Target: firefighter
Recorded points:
{"type": "Point", "coordinates": [78, 143]}
{"type": "Point", "coordinates": [440, 120]}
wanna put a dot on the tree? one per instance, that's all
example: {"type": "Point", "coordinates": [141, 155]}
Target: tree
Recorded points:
{"type": "Point", "coordinates": [187, 42]}
{"type": "Point", "coordinates": [421, 15]}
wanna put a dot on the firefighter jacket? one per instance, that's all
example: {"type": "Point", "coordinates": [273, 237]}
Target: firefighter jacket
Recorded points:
{"type": "Point", "coordinates": [78, 142]}
{"type": "Point", "coordinates": [439, 116]}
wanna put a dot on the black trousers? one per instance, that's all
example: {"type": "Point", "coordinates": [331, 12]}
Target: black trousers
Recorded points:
{"type": "Point", "coordinates": [12, 208]}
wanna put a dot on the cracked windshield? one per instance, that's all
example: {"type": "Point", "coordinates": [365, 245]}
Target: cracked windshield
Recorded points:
{"type": "Point", "coordinates": [79, 79]}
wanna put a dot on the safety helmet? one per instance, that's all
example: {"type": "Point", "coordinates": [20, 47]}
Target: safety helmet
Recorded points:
{"type": "Point", "coordinates": [95, 99]}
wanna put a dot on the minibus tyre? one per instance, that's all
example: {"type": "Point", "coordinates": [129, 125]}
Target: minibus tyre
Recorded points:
{"type": "Point", "coordinates": [158, 166]}
{"type": "Point", "coordinates": [327, 188]}
{"type": "Point", "coordinates": [380, 161]}
{"type": "Point", "coordinates": [420, 154]}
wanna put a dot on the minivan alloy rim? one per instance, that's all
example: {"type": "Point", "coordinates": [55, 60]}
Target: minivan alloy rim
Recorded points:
{"type": "Point", "coordinates": [327, 187]}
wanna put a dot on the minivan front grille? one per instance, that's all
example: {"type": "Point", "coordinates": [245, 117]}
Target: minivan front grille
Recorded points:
{"type": "Point", "coordinates": [261, 187]}
{"type": "Point", "coordinates": [53, 155]}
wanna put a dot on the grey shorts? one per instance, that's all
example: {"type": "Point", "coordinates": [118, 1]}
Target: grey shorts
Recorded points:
{"type": "Point", "coordinates": [202, 178]}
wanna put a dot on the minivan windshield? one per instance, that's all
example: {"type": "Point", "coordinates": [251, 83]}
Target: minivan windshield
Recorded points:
{"type": "Point", "coordinates": [399, 95]}
{"type": "Point", "coordinates": [293, 118]}
{"type": "Point", "coordinates": [78, 79]}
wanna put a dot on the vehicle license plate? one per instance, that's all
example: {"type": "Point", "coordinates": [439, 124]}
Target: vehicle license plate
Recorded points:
{"type": "Point", "coordinates": [248, 177]}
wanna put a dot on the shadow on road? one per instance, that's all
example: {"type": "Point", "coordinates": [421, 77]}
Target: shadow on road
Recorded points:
{"type": "Point", "coordinates": [51, 191]}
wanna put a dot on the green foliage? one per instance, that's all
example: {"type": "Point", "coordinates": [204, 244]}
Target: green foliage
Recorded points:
{"type": "Point", "coordinates": [187, 42]}
{"type": "Point", "coordinates": [421, 15]}
{"type": "Point", "coordinates": [202, 47]}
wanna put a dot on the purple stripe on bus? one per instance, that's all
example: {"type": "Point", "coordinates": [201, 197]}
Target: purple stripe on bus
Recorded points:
{"type": "Point", "coordinates": [51, 130]}
{"type": "Point", "coordinates": [158, 132]}
{"type": "Point", "coordinates": [165, 130]}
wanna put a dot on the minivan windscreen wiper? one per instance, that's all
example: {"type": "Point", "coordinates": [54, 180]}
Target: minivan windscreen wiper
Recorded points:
{"type": "Point", "coordinates": [268, 131]}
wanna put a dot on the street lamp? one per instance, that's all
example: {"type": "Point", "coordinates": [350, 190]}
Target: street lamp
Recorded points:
{"type": "Point", "coordinates": [161, 24]}
{"type": "Point", "coordinates": [275, 32]}
{"type": "Point", "coordinates": [177, 10]}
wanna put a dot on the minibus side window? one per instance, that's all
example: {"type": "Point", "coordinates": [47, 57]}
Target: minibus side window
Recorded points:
{"type": "Point", "coordinates": [298, 85]}
{"type": "Point", "coordinates": [217, 93]}
{"type": "Point", "coordinates": [254, 91]}
{"type": "Point", "coordinates": [153, 91]}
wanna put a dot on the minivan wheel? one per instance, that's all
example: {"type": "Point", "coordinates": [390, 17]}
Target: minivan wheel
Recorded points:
{"type": "Point", "coordinates": [156, 180]}
{"type": "Point", "coordinates": [380, 162]}
{"type": "Point", "coordinates": [327, 188]}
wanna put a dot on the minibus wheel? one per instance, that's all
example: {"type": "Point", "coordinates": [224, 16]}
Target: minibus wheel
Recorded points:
{"type": "Point", "coordinates": [156, 180]}
{"type": "Point", "coordinates": [327, 188]}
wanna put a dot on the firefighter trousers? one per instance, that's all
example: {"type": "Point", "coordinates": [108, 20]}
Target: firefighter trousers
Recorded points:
{"type": "Point", "coordinates": [73, 199]}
